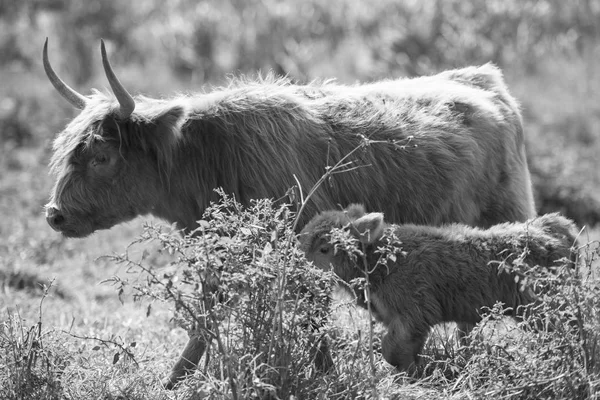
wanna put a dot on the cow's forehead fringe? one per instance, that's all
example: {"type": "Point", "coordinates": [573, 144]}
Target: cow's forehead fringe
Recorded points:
{"type": "Point", "coordinates": [81, 128]}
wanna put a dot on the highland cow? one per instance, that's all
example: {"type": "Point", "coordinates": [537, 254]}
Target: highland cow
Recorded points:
{"type": "Point", "coordinates": [442, 274]}
{"type": "Point", "coordinates": [445, 148]}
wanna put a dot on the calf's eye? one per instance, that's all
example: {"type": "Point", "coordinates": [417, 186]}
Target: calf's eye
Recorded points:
{"type": "Point", "coordinates": [324, 250]}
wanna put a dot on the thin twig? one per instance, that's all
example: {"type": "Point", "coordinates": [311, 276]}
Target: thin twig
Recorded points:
{"type": "Point", "coordinates": [105, 342]}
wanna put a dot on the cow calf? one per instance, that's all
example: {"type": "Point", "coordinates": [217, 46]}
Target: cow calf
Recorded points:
{"type": "Point", "coordinates": [444, 274]}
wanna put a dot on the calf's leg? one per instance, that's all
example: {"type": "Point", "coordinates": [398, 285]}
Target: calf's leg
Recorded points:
{"type": "Point", "coordinates": [322, 354]}
{"type": "Point", "coordinates": [402, 344]}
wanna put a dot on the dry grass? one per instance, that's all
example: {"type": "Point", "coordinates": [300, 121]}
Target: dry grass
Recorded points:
{"type": "Point", "coordinates": [62, 342]}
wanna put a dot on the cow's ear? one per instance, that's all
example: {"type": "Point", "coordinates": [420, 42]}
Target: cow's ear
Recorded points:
{"type": "Point", "coordinates": [166, 135]}
{"type": "Point", "coordinates": [369, 227]}
{"type": "Point", "coordinates": [169, 124]}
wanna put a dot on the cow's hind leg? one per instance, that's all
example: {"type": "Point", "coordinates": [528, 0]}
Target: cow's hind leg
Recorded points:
{"type": "Point", "coordinates": [514, 195]}
{"type": "Point", "coordinates": [402, 344]}
{"type": "Point", "coordinates": [463, 329]}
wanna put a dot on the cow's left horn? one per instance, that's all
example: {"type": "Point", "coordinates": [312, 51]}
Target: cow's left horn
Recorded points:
{"type": "Point", "coordinates": [127, 104]}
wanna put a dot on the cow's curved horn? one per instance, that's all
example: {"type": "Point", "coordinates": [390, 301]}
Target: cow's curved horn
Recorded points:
{"type": "Point", "coordinates": [125, 100]}
{"type": "Point", "coordinates": [76, 99]}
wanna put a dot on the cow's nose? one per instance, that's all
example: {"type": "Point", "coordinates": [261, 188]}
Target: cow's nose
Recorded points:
{"type": "Point", "coordinates": [54, 217]}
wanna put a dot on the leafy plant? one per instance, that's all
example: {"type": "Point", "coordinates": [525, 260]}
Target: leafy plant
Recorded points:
{"type": "Point", "coordinates": [240, 281]}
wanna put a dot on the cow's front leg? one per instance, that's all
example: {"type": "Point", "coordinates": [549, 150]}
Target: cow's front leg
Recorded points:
{"type": "Point", "coordinates": [200, 337]}
{"type": "Point", "coordinates": [188, 360]}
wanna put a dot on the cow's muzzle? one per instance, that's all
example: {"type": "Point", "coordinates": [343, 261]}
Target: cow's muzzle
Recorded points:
{"type": "Point", "coordinates": [55, 218]}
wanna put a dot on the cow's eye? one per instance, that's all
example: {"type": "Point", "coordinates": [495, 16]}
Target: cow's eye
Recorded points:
{"type": "Point", "coordinates": [101, 158]}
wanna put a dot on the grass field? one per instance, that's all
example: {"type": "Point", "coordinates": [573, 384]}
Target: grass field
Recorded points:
{"type": "Point", "coordinates": [66, 333]}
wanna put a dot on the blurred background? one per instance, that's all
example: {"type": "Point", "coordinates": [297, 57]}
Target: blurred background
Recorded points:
{"type": "Point", "coordinates": [549, 51]}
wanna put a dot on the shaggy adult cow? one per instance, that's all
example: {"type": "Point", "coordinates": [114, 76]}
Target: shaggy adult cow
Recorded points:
{"type": "Point", "coordinates": [445, 148]}
{"type": "Point", "coordinates": [443, 274]}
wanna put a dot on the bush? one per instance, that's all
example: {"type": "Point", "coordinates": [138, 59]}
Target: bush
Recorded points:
{"type": "Point", "coordinates": [240, 281]}
{"type": "Point", "coordinates": [559, 357]}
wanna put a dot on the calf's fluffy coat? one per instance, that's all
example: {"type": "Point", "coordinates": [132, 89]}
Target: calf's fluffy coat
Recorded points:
{"type": "Point", "coordinates": [446, 274]}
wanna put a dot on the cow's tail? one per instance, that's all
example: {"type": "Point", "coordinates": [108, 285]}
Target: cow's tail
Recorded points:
{"type": "Point", "coordinates": [490, 78]}
{"type": "Point", "coordinates": [518, 199]}
{"type": "Point", "coordinates": [487, 77]}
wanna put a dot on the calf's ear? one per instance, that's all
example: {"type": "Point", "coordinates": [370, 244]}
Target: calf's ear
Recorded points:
{"type": "Point", "coordinates": [355, 211]}
{"type": "Point", "coordinates": [369, 227]}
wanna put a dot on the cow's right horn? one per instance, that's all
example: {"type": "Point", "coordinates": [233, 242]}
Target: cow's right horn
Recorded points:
{"type": "Point", "coordinates": [76, 99]}
{"type": "Point", "coordinates": [126, 102]}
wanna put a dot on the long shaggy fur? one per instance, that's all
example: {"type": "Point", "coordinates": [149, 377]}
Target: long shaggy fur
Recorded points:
{"type": "Point", "coordinates": [447, 273]}
{"type": "Point", "coordinates": [459, 153]}
{"type": "Point", "coordinates": [453, 151]}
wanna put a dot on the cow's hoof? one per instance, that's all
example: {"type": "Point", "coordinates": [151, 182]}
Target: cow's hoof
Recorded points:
{"type": "Point", "coordinates": [171, 381]}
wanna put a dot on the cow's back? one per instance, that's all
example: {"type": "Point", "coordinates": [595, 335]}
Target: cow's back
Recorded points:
{"type": "Point", "coordinates": [446, 148]}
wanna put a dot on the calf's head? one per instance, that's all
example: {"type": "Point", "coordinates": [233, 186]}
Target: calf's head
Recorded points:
{"type": "Point", "coordinates": [107, 160]}
{"type": "Point", "coordinates": [316, 237]}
